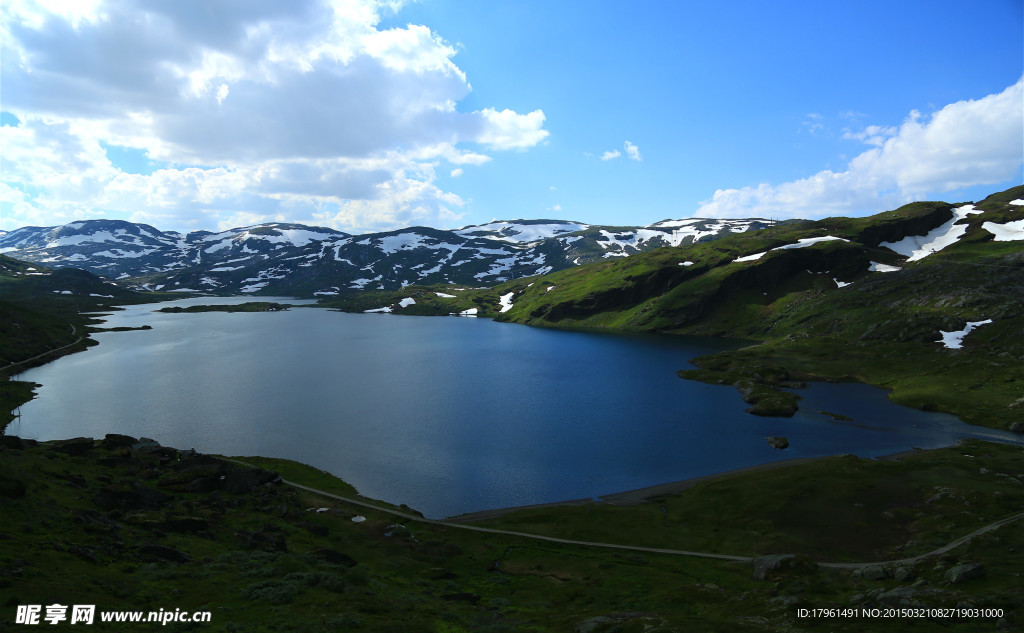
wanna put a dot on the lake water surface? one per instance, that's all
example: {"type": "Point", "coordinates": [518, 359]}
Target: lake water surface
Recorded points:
{"type": "Point", "coordinates": [445, 414]}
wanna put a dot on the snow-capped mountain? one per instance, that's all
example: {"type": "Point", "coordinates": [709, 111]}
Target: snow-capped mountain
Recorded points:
{"type": "Point", "coordinates": [303, 260]}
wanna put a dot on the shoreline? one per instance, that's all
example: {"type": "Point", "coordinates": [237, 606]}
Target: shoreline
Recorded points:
{"type": "Point", "coordinates": [644, 495]}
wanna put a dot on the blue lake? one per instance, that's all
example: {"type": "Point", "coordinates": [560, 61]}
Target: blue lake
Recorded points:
{"type": "Point", "coordinates": [445, 414]}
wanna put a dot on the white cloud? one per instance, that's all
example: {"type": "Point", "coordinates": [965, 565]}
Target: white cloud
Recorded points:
{"type": "Point", "coordinates": [255, 107]}
{"type": "Point", "coordinates": [510, 130]}
{"type": "Point", "coordinates": [967, 143]}
{"type": "Point", "coordinates": [557, 207]}
{"type": "Point", "coordinates": [632, 151]}
{"type": "Point", "coordinates": [456, 172]}
{"type": "Point", "coordinates": [872, 134]}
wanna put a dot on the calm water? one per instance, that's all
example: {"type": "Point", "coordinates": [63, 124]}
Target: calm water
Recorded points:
{"type": "Point", "coordinates": [445, 414]}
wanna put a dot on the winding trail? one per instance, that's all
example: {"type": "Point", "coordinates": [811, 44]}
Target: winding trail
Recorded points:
{"type": "Point", "coordinates": [637, 548]}
{"type": "Point", "coordinates": [74, 331]}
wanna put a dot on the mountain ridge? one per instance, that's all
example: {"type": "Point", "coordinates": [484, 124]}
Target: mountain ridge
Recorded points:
{"type": "Point", "coordinates": [300, 260]}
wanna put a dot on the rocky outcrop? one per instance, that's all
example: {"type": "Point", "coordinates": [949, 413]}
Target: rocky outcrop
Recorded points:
{"type": "Point", "coordinates": [771, 566]}
{"type": "Point", "coordinates": [965, 571]}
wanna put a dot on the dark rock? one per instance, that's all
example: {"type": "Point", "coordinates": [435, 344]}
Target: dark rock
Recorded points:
{"type": "Point", "coordinates": [11, 441]}
{"type": "Point", "coordinates": [964, 572]}
{"type": "Point", "coordinates": [768, 565]}
{"type": "Point", "coordinates": [874, 572]}
{"type": "Point", "coordinates": [408, 510]}
{"type": "Point", "coordinates": [1017, 427]}
{"type": "Point", "coordinates": [163, 553]}
{"type": "Point", "coordinates": [115, 440]}
{"type": "Point", "coordinates": [333, 557]}
{"type": "Point", "coordinates": [899, 597]}
{"type": "Point", "coordinates": [777, 441]}
{"type": "Point", "coordinates": [74, 446]}
{"type": "Point", "coordinates": [165, 453]}
{"type": "Point", "coordinates": [240, 480]}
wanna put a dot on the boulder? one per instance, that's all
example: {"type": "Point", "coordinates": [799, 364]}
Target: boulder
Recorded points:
{"type": "Point", "coordinates": [240, 480]}
{"type": "Point", "coordinates": [768, 565]}
{"type": "Point", "coordinates": [116, 440]}
{"type": "Point", "coordinates": [74, 446]}
{"type": "Point", "coordinates": [777, 441]}
{"type": "Point", "coordinates": [965, 571]}
{"type": "Point", "coordinates": [874, 572]}
{"type": "Point", "coordinates": [11, 441]}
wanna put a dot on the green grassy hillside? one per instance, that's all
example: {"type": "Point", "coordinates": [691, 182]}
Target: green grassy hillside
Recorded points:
{"type": "Point", "coordinates": [128, 525]}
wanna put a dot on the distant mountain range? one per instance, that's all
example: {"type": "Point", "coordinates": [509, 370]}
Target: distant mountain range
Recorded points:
{"type": "Point", "coordinates": [298, 260]}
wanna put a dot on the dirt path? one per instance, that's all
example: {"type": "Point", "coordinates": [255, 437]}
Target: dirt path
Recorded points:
{"type": "Point", "coordinates": [636, 548]}
{"type": "Point", "coordinates": [74, 331]}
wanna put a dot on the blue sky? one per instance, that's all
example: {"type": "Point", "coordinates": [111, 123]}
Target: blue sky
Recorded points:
{"type": "Point", "coordinates": [365, 115]}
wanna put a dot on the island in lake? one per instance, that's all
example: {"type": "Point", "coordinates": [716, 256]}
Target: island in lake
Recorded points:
{"type": "Point", "coordinates": [251, 306]}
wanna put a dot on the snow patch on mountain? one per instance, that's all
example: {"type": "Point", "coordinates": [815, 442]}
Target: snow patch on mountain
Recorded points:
{"type": "Point", "coordinates": [955, 340]}
{"type": "Point", "coordinates": [1008, 232]}
{"type": "Point", "coordinates": [916, 247]}
{"type": "Point", "coordinates": [521, 231]}
{"type": "Point", "coordinates": [506, 301]}
{"type": "Point", "coordinates": [802, 243]}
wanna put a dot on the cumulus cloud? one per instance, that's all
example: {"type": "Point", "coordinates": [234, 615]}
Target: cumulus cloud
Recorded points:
{"type": "Point", "coordinates": [456, 172]}
{"type": "Point", "coordinates": [510, 130]}
{"type": "Point", "coordinates": [967, 143]}
{"type": "Point", "coordinates": [251, 109]}
{"type": "Point", "coordinates": [632, 152]}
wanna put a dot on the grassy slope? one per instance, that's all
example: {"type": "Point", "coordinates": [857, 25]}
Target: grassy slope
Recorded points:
{"type": "Point", "coordinates": [113, 526]}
